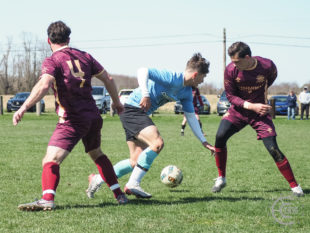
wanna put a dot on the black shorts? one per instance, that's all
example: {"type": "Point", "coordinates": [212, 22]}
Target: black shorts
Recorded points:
{"type": "Point", "coordinates": [134, 120]}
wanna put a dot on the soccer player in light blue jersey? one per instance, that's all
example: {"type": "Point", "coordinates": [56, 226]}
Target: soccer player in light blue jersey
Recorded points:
{"type": "Point", "coordinates": [156, 87]}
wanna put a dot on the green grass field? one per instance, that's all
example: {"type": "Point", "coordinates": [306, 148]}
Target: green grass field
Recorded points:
{"type": "Point", "coordinates": [254, 191]}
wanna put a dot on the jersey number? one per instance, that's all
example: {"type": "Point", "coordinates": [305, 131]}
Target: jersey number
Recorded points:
{"type": "Point", "coordinates": [79, 74]}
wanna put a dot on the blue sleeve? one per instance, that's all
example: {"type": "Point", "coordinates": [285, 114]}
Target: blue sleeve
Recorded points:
{"type": "Point", "coordinates": [163, 77]}
{"type": "Point", "coordinates": [187, 105]}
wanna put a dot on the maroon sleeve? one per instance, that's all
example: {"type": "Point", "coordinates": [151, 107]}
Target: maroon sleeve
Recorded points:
{"type": "Point", "coordinates": [231, 88]}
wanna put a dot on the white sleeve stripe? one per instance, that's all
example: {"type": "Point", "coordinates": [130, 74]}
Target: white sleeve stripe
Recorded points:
{"type": "Point", "coordinates": [143, 76]}
{"type": "Point", "coordinates": [194, 124]}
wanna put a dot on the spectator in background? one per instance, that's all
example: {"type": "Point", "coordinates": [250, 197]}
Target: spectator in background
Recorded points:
{"type": "Point", "coordinates": [304, 99]}
{"type": "Point", "coordinates": [291, 105]}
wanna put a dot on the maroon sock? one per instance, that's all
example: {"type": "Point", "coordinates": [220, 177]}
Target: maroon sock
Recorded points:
{"type": "Point", "coordinates": [50, 180]}
{"type": "Point", "coordinates": [107, 173]}
{"type": "Point", "coordinates": [286, 170]}
{"type": "Point", "coordinates": [221, 158]}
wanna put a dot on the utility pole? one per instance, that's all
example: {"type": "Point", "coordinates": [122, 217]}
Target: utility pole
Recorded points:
{"type": "Point", "coordinates": [224, 51]}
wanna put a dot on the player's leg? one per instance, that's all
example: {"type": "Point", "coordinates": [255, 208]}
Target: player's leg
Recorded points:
{"type": "Point", "coordinates": [63, 140]}
{"type": "Point", "coordinates": [282, 164]}
{"type": "Point", "coordinates": [224, 132]}
{"type": "Point", "coordinates": [92, 141]}
{"type": "Point", "coordinates": [50, 179]}
{"type": "Point", "coordinates": [122, 168]}
{"type": "Point", "coordinates": [152, 138]}
{"type": "Point", "coordinates": [183, 125]}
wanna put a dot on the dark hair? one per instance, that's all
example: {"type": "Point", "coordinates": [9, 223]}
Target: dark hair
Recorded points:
{"type": "Point", "coordinates": [58, 32]}
{"type": "Point", "coordinates": [197, 62]}
{"type": "Point", "coordinates": [240, 48]}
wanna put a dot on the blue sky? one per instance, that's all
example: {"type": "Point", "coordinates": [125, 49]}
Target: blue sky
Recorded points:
{"type": "Point", "coordinates": [125, 35]}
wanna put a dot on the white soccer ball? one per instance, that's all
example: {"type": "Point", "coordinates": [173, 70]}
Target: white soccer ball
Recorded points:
{"type": "Point", "coordinates": [171, 176]}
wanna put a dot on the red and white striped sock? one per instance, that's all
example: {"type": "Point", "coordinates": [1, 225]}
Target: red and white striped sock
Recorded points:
{"type": "Point", "coordinates": [286, 171]}
{"type": "Point", "coordinates": [220, 159]}
{"type": "Point", "coordinates": [50, 180]}
{"type": "Point", "coordinates": [107, 173]}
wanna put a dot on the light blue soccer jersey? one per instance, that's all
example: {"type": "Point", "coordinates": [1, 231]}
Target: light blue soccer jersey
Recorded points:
{"type": "Point", "coordinates": [164, 86]}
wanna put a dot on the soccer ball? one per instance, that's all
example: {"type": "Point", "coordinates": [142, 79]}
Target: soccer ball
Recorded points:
{"type": "Point", "coordinates": [171, 176]}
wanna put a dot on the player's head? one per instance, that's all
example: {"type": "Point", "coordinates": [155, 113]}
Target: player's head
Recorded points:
{"type": "Point", "coordinates": [196, 70]}
{"type": "Point", "coordinates": [240, 54]}
{"type": "Point", "coordinates": [58, 33]}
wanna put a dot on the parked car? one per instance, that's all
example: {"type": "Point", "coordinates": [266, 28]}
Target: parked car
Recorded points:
{"type": "Point", "coordinates": [222, 104]}
{"type": "Point", "coordinates": [102, 98]}
{"type": "Point", "coordinates": [124, 94]}
{"type": "Point", "coordinates": [205, 109]}
{"type": "Point", "coordinates": [281, 104]}
{"type": "Point", "coordinates": [17, 101]}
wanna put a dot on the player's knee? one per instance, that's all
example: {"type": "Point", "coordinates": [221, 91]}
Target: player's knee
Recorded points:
{"type": "Point", "coordinates": [48, 159]}
{"type": "Point", "coordinates": [276, 154]}
{"type": "Point", "coordinates": [133, 163]}
{"type": "Point", "coordinates": [158, 145]}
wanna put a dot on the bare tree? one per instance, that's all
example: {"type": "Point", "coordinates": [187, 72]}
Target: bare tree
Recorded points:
{"type": "Point", "coordinates": [4, 69]}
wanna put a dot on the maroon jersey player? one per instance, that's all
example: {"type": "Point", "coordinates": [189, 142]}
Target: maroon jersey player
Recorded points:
{"type": "Point", "coordinates": [69, 72]}
{"type": "Point", "coordinates": [246, 82]}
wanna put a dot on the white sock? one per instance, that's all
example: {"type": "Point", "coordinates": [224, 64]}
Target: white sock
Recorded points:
{"type": "Point", "coordinates": [136, 176]}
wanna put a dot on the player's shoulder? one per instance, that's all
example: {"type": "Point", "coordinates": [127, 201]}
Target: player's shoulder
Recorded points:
{"type": "Point", "coordinates": [265, 62]}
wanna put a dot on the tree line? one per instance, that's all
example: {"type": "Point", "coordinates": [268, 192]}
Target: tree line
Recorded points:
{"type": "Point", "coordinates": [20, 69]}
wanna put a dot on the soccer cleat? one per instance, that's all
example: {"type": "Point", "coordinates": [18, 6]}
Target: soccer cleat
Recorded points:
{"type": "Point", "coordinates": [37, 205]}
{"type": "Point", "coordinates": [137, 191]}
{"type": "Point", "coordinates": [182, 133]}
{"type": "Point", "coordinates": [220, 183]}
{"type": "Point", "coordinates": [297, 191]}
{"type": "Point", "coordinates": [93, 186]}
{"type": "Point", "coordinates": [122, 199]}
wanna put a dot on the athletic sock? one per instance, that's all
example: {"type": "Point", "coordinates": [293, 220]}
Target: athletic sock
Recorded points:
{"type": "Point", "coordinates": [107, 173]}
{"type": "Point", "coordinates": [286, 170]}
{"type": "Point", "coordinates": [221, 158]}
{"type": "Point", "coordinates": [145, 161]}
{"type": "Point", "coordinates": [182, 128]}
{"type": "Point", "coordinates": [121, 168]}
{"type": "Point", "coordinates": [50, 180]}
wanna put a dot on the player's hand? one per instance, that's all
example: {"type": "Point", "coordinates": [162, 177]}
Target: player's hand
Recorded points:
{"type": "Point", "coordinates": [145, 103]}
{"type": "Point", "coordinates": [17, 117]}
{"type": "Point", "coordinates": [118, 107]}
{"type": "Point", "coordinates": [209, 147]}
{"type": "Point", "coordinates": [261, 109]}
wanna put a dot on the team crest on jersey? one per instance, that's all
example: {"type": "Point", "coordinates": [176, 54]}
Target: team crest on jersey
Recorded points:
{"type": "Point", "coordinates": [238, 80]}
{"type": "Point", "coordinates": [269, 130]}
{"type": "Point", "coordinates": [260, 79]}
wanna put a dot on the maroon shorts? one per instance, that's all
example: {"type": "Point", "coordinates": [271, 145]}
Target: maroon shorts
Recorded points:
{"type": "Point", "coordinates": [263, 125]}
{"type": "Point", "coordinates": [67, 134]}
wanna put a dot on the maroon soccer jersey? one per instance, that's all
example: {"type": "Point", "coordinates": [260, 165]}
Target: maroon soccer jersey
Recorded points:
{"type": "Point", "coordinates": [73, 70]}
{"type": "Point", "coordinates": [249, 85]}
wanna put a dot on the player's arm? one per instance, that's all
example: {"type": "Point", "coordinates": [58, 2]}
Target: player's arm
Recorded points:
{"type": "Point", "coordinates": [37, 93]}
{"type": "Point", "coordinates": [111, 87]}
{"type": "Point", "coordinates": [143, 77]}
{"type": "Point", "coordinates": [195, 127]}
